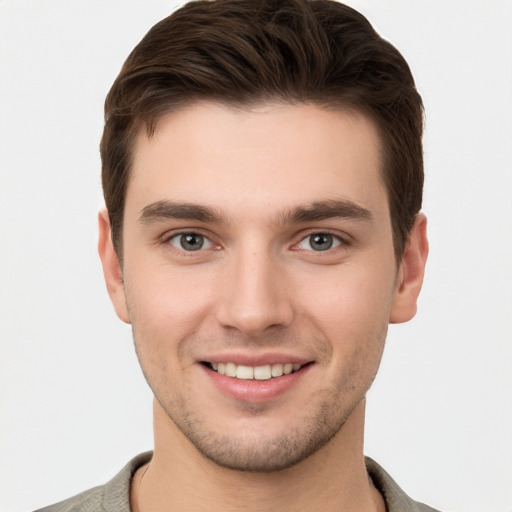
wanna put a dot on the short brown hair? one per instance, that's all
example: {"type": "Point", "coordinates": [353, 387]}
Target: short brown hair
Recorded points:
{"type": "Point", "coordinates": [244, 52]}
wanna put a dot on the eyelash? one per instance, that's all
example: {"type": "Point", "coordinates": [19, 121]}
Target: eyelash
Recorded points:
{"type": "Point", "coordinates": [179, 238]}
{"type": "Point", "coordinates": [337, 241]}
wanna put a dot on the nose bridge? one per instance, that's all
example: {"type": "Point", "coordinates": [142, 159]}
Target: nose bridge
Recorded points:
{"type": "Point", "coordinates": [255, 297]}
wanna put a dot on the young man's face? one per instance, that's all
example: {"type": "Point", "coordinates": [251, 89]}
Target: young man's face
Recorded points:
{"type": "Point", "coordinates": [256, 242]}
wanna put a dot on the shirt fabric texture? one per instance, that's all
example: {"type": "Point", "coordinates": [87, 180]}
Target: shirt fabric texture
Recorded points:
{"type": "Point", "coordinates": [115, 495]}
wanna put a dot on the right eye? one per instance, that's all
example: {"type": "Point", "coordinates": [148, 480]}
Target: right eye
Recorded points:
{"type": "Point", "coordinates": [190, 242]}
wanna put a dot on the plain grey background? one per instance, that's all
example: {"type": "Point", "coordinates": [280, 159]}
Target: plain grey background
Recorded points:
{"type": "Point", "coordinates": [73, 404]}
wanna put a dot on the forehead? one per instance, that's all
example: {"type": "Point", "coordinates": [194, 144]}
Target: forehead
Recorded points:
{"type": "Point", "coordinates": [271, 155]}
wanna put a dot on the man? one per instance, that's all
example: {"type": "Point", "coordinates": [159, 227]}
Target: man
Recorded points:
{"type": "Point", "coordinates": [262, 172]}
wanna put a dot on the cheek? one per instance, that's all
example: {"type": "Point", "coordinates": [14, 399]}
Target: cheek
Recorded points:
{"type": "Point", "coordinates": [353, 289]}
{"type": "Point", "coordinates": [353, 308]}
{"type": "Point", "coordinates": [161, 297]}
{"type": "Point", "coordinates": [166, 309]}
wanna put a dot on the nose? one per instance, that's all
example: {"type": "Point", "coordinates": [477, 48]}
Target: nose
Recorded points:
{"type": "Point", "coordinates": [255, 296]}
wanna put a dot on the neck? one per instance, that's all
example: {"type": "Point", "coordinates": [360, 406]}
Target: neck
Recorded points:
{"type": "Point", "coordinates": [334, 478]}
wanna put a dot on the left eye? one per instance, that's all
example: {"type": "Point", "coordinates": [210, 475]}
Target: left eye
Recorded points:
{"type": "Point", "coordinates": [319, 242]}
{"type": "Point", "coordinates": [190, 242]}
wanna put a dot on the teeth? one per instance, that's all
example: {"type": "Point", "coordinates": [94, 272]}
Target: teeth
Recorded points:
{"type": "Point", "coordinates": [231, 370]}
{"type": "Point", "coordinates": [265, 372]}
{"type": "Point", "coordinates": [244, 372]}
{"type": "Point", "coordinates": [277, 370]}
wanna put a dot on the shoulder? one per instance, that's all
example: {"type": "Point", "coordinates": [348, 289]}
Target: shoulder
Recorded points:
{"type": "Point", "coordinates": [111, 497]}
{"type": "Point", "coordinates": [396, 499]}
{"type": "Point", "coordinates": [88, 501]}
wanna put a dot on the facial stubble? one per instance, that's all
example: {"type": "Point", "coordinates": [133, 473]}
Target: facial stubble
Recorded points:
{"type": "Point", "coordinates": [256, 451]}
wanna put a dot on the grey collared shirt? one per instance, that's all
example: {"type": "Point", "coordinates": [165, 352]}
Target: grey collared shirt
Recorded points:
{"type": "Point", "coordinates": [115, 495]}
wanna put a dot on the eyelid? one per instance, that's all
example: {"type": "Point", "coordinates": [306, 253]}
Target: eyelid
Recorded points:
{"type": "Point", "coordinates": [343, 240]}
{"type": "Point", "coordinates": [209, 243]}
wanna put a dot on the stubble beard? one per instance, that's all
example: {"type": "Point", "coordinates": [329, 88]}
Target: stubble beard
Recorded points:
{"type": "Point", "coordinates": [256, 451]}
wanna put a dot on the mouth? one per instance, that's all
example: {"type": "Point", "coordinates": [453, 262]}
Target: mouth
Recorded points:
{"type": "Point", "coordinates": [264, 372]}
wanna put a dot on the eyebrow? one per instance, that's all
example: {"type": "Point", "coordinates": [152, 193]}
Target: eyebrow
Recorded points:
{"type": "Point", "coordinates": [321, 210]}
{"type": "Point", "coordinates": [166, 210]}
{"type": "Point", "coordinates": [330, 209]}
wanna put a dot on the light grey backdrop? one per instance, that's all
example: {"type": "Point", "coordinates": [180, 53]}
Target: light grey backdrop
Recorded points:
{"type": "Point", "coordinates": [74, 406]}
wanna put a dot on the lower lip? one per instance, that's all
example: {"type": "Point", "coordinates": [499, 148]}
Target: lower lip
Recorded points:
{"type": "Point", "coordinates": [255, 390]}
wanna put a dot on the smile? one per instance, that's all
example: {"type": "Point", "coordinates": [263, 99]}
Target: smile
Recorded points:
{"type": "Point", "coordinates": [265, 372]}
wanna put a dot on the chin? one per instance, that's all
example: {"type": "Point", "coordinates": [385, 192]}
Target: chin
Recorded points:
{"type": "Point", "coordinates": [263, 455]}
{"type": "Point", "coordinates": [243, 448]}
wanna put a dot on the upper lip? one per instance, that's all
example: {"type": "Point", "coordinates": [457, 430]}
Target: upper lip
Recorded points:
{"type": "Point", "coordinates": [255, 359]}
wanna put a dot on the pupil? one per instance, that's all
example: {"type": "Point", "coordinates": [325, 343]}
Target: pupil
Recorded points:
{"type": "Point", "coordinates": [321, 242]}
{"type": "Point", "coordinates": [192, 242]}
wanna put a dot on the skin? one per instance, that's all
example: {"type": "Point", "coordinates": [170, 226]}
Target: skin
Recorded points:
{"type": "Point", "coordinates": [259, 290]}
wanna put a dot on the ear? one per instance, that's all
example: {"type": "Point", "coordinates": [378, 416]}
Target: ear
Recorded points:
{"type": "Point", "coordinates": [411, 272]}
{"type": "Point", "coordinates": [111, 267]}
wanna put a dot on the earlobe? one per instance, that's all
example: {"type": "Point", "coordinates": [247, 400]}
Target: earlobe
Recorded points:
{"type": "Point", "coordinates": [111, 267]}
{"type": "Point", "coordinates": [411, 272]}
